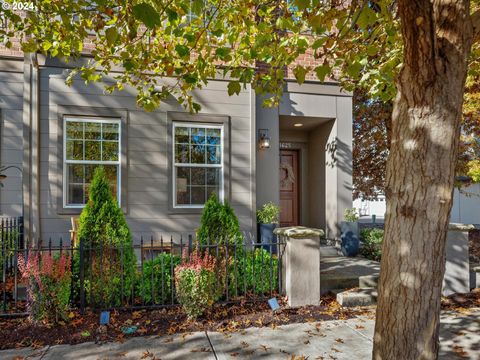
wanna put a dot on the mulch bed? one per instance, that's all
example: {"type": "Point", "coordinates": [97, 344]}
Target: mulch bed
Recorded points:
{"type": "Point", "coordinates": [21, 332]}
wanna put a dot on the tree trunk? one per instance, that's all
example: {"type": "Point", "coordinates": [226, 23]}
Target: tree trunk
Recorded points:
{"type": "Point", "coordinates": [420, 174]}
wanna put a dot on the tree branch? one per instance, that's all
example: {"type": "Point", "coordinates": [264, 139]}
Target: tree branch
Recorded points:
{"type": "Point", "coordinates": [476, 25]}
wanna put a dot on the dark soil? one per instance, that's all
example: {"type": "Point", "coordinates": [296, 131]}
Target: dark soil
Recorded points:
{"type": "Point", "coordinates": [21, 332]}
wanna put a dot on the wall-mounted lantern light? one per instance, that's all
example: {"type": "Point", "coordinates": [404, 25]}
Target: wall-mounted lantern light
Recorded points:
{"type": "Point", "coordinates": [263, 139]}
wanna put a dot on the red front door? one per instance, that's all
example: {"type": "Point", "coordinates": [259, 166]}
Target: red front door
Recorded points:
{"type": "Point", "coordinates": [289, 190]}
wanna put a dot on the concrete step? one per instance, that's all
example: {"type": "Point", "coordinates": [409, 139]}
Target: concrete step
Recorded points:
{"type": "Point", "coordinates": [328, 251]}
{"type": "Point", "coordinates": [357, 297]}
{"type": "Point", "coordinates": [330, 282]}
{"type": "Point", "coordinates": [368, 281]}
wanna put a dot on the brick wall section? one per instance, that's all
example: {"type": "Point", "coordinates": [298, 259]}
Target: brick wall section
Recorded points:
{"type": "Point", "coordinates": [306, 59]}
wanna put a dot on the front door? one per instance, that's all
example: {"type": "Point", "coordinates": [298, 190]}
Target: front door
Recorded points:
{"type": "Point", "coordinates": [289, 191]}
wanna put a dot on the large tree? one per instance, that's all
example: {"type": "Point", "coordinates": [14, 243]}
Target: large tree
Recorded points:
{"type": "Point", "coordinates": [415, 51]}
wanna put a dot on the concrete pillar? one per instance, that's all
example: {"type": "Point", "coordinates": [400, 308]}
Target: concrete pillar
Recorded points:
{"type": "Point", "coordinates": [301, 264]}
{"type": "Point", "coordinates": [457, 267]}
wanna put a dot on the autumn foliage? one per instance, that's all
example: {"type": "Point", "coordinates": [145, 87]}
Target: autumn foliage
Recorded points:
{"type": "Point", "coordinates": [48, 277]}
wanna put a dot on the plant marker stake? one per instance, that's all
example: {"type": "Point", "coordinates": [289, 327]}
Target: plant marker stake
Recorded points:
{"type": "Point", "coordinates": [104, 317]}
{"type": "Point", "coordinates": [273, 304]}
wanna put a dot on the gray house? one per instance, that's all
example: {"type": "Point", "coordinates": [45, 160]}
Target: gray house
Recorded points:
{"type": "Point", "coordinates": [164, 164]}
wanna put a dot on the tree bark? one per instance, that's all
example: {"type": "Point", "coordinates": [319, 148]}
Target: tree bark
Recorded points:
{"type": "Point", "coordinates": [437, 39]}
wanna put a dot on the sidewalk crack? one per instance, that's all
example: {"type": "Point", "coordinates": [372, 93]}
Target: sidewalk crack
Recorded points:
{"type": "Point", "coordinates": [211, 345]}
{"type": "Point", "coordinates": [358, 332]}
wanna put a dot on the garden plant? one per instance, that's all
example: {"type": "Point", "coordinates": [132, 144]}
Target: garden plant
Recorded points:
{"type": "Point", "coordinates": [195, 282]}
{"type": "Point", "coordinates": [48, 278]}
{"type": "Point", "coordinates": [110, 262]}
{"type": "Point", "coordinates": [372, 240]}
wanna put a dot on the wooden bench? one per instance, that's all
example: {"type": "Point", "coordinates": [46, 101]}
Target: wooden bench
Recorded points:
{"type": "Point", "coordinates": [73, 231]}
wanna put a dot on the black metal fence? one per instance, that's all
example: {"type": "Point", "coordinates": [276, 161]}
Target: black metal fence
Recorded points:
{"type": "Point", "coordinates": [108, 276]}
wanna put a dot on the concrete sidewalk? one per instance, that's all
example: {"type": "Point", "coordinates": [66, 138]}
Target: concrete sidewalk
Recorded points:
{"type": "Point", "coordinates": [348, 339]}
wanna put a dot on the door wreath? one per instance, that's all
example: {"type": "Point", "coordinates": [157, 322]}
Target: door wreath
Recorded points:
{"type": "Point", "coordinates": [289, 178]}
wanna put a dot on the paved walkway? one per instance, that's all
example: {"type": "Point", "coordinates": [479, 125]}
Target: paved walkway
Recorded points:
{"type": "Point", "coordinates": [349, 339]}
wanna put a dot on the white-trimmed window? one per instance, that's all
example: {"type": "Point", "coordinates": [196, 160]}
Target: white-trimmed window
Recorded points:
{"type": "Point", "coordinates": [87, 144]}
{"type": "Point", "coordinates": [198, 164]}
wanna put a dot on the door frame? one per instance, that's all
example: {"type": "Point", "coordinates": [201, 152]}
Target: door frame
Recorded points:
{"type": "Point", "coordinates": [298, 150]}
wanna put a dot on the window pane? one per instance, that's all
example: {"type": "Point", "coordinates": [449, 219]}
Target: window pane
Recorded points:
{"type": "Point", "coordinates": [74, 129]}
{"type": "Point", "coordinates": [110, 151]}
{"type": "Point", "coordinates": [181, 135]}
{"type": "Point", "coordinates": [110, 131]}
{"type": "Point", "coordinates": [213, 136]}
{"type": "Point", "coordinates": [213, 176]}
{"type": "Point", "coordinates": [213, 190]}
{"type": "Point", "coordinates": [93, 150]}
{"type": "Point", "coordinates": [198, 176]}
{"type": "Point", "coordinates": [181, 154]}
{"type": "Point", "coordinates": [75, 195]}
{"type": "Point", "coordinates": [198, 195]}
{"type": "Point", "coordinates": [182, 182]}
{"type": "Point", "coordinates": [213, 155]}
{"type": "Point", "coordinates": [93, 131]}
{"type": "Point", "coordinates": [198, 154]}
{"type": "Point", "coordinates": [74, 150]}
{"type": "Point", "coordinates": [198, 136]}
{"type": "Point", "coordinates": [75, 174]}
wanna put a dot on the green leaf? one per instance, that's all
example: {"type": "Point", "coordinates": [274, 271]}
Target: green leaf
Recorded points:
{"type": "Point", "coordinates": [172, 14]}
{"type": "Point", "coordinates": [182, 50]}
{"type": "Point", "coordinates": [111, 34]}
{"type": "Point", "coordinates": [301, 4]}
{"type": "Point", "coordinates": [354, 69]}
{"type": "Point", "coordinates": [322, 71]}
{"type": "Point", "coordinates": [222, 52]}
{"type": "Point", "coordinates": [234, 88]}
{"type": "Point", "coordinates": [300, 72]}
{"type": "Point", "coordinates": [366, 18]}
{"type": "Point", "coordinates": [147, 15]}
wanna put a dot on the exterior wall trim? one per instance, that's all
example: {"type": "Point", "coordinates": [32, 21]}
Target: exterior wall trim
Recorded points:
{"type": "Point", "coordinates": [83, 111]}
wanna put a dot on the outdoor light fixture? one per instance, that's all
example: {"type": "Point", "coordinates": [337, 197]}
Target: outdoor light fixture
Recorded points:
{"type": "Point", "coordinates": [263, 139]}
{"type": "Point", "coordinates": [298, 125]}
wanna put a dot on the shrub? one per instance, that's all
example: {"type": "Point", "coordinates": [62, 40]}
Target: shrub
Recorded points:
{"type": "Point", "coordinates": [103, 227]}
{"type": "Point", "coordinates": [372, 243]}
{"type": "Point", "coordinates": [269, 214]}
{"type": "Point", "coordinates": [257, 272]}
{"type": "Point", "coordinates": [156, 272]}
{"type": "Point", "coordinates": [195, 282]}
{"type": "Point", "coordinates": [350, 215]}
{"type": "Point", "coordinates": [218, 224]}
{"type": "Point", "coordinates": [48, 279]}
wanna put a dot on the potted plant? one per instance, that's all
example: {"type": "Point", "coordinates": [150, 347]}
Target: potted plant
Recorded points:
{"type": "Point", "coordinates": [267, 219]}
{"type": "Point", "coordinates": [349, 233]}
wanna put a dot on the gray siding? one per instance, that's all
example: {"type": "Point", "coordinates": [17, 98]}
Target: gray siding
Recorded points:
{"type": "Point", "coordinates": [147, 184]}
{"type": "Point", "coordinates": [11, 145]}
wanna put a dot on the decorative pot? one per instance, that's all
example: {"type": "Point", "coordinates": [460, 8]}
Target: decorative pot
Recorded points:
{"type": "Point", "coordinates": [267, 238]}
{"type": "Point", "coordinates": [350, 238]}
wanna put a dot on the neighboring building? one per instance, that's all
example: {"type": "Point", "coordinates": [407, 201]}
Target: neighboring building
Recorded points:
{"type": "Point", "coordinates": [465, 208]}
{"type": "Point", "coordinates": [466, 205]}
{"type": "Point", "coordinates": [164, 164]}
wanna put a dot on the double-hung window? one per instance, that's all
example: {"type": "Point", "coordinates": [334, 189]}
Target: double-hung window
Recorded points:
{"type": "Point", "coordinates": [198, 163]}
{"type": "Point", "coordinates": [88, 144]}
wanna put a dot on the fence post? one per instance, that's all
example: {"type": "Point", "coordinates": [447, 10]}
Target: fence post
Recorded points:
{"type": "Point", "coordinates": [82, 276]}
{"type": "Point", "coordinates": [302, 264]}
